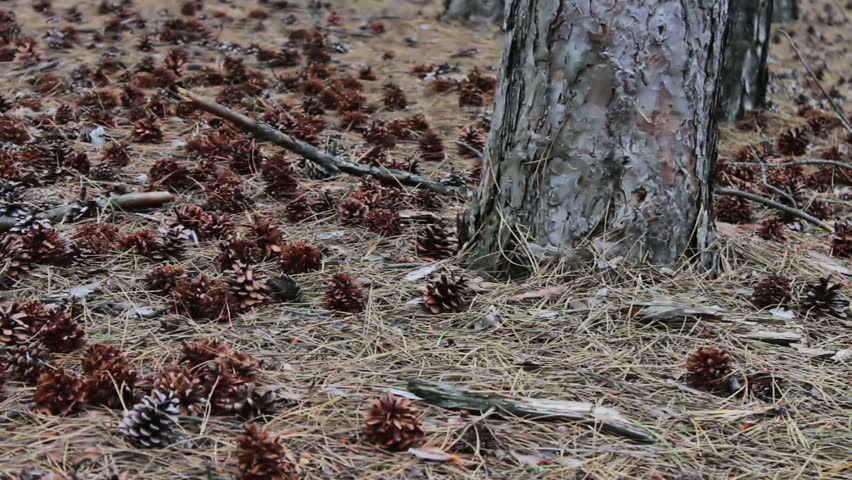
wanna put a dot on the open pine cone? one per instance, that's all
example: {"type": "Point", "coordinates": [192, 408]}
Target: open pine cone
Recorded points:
{"type": "Point", "coordinates": [62, 333]}
{"type": "Point", "coordinates": [186, 387]}
{"type": "Point", "coordinates": [248, 285]}
{"type": "Point", "coordinates": [164, 278]}
{"type": "Point", "coordinates": [709, 366]}
{"type": "Point", "coordinates": [431, 146]}
{"type": "Point", "coordinates": [772, 229]}
{"type": "Point", "coordinates": [149, 423]}
{"type": "Point", "coordinates": [20, 320]}
{"type": "Point", "coordinates": [841, 242]}
{"type": "Point", "coordinates": [383, 221]}
{"type": "Point", "coordinates": [96, 238]}
{"type": "Point", "coordinates": [445, 294]}
{"type": "Point", "coordinates": [59, 392]}
{"type": "Point", "coordinates": [26, 362]}
{"type": "Point", "coordinates": [249, 401]}
{"type": "Point", "coordinates": [435, 241]}
{"type": "Point", "coordinates": [267, 236]}
{"type": "Point", "coordinates": [345, 294]}
{"type": "Point", "coordinates": [731, 209]}
{"type": "Point", "coordinates": [15, 259]}
{"type": "Point", "coordinates": [823, 298]}
{"type": "Point", "coordinates": [793, 141]}
{"type": "Point", "coordinates": [774, 290]}
{"type": "Point", "coordinates": [260, 456]}
{"type": "Point", "coordinates": [299, 257]}
{"type": "Point", "coordinates": [473, 137]}
{"type": "Point", "coordinates": [392, 423]}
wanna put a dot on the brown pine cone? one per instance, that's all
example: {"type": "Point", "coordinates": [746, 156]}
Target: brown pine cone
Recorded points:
{"type": "Point", "coordinates": [473, 137]}
{"type": "Point", "coordinates": [248, 285]}
{"type": "Point", "coordinates": [352, 210]}
{"type": "Point", "coordinates": [345, 294]}
{"type": "Point", "coordinates": [446, 294]}
{"type": "Point", "coordinates": [62, 333]}
{"type": "Point", "coordinates": [260, 456]}
{"type": "Point", "coordinates": [96, 238]}
{"type": "Point", "coordinates": [44, 244]}
{"type": "Point", "coordinates": [708, 366]}
{"type": "Point", "coordinates": [392, 423]}
{"type": "Point", "coordinates": [26, 362]}
{"type": "Point", "coordinates": [111, 381]}
{"type": "Point", "coordinates": [187, 389]}
{"type": "Point", "coordinates": [793, 141]}
{"type": "Point", "coordinates": [267, 236]}
{"type": "Point", "coordinates": [59, 392]}
{"type": "Point", "coordinates": [280, 177]}
{"type": "Point", "coordinates": [772, 229]}
{"type": "Point", "coordinates": [165, 278]}
{"type": "Point", "coordinates": [731, 209]}
{"type": "Point", "coordinates": [774, 290]}
{"type": "Point", "coordinates": [115, 154]}
{"type": "Point", "coordinates": [147, 130]}
{"type": "Point", "coordinates": [15, 259]}
{"type": "Point", "coordinates": [248, 401]}
{"type": "Point", "coordinates": [394, 98]}
{"type": "Point", "coordinates": [20, 320]}
{"type": "Point", "coordinates": [435, 241]}
{"type": "Point", "coordinates": [383, 221]}
{"type": "Point", "coordinates": [299, 257]}
{"type": "Point", "coordinates": [841, 241]}
{"type": "Point", "coordinates": [431, 146]}
{"type": "Point", "coordinates": [823, 298]}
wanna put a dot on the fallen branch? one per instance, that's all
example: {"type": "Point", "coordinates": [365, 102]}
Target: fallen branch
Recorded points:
{"type": "Point", "coordinates": [456, 398]}
{"type": "Point", "coordinates": [837, 110]}
{"type": "Point", "coordinates": [131, 201]}
{"type": "Point", "coordinates": [778, 206]}
{"type": "Point", "coordinates": [331, 163]}
{"type": "Point", "coordinates": [806, 161]}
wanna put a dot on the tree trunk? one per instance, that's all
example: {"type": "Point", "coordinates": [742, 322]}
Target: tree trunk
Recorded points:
{"type": "Point", "coordinates": [745, 74]}
{"type": "Point", "coordinates": [478, 11]}
{"type": "Point", "coordinates": [603, 130]}
{"type": "Point", "coordinates": [785, 11]}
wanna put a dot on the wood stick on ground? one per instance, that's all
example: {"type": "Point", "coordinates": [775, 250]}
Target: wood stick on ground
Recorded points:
{"type": "Point", "coordinates": [804, 161]}
{"type": "Point", "coordinates": [334, 164]}
{"type": "Point", "coordinates": [457, 398]}
{"type": "Point", "coordinates": [837, 110]}
{"type": "Point", "coordinates": [778, 206]}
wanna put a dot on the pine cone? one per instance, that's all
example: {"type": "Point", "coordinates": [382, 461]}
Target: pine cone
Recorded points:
{"type": "Point", "coordinates": [13, 130]}
{"type": "Point", "coordinates": [383, 221]}
{"type": "Point", "coordinates": [267, 236]}
{"type": "Point", "coordinates": [165, 278]}
{"type": "Point", "coordinates": [824, 298]}
{"type": "Point", "coordinates": [352, 210]}
{"type": "Point", "coordinates": [96, 238]}
{"type": "Point", "coordinates": [227, 198]}
{"type": "Point", "coordinates": [279, 177]}
{"type": "Point", "coordinates": [150, 422]}
{"type": "Point", "coordinates": [44, 243]}
{"type": "Point", "coordinates": [708, 366]}
{"type": "Point", "coordinates": [299, 257]}
{"type": "Point", "coordinates": [774, 290]}
{"type": "Point", "coordinates": [394, 98]}
{"type": "Point", "coordinates": [435, 241]}
{"type": "Point", "coordinates": [473, 137]}
{"type": "Point", "coordinates": [205, 299]}
{"type": "Point", "coordinates": [765, 386]}
{"type": "Point", "coordinates": [392, 423]}
{"type": "Point", "coordinates": [772, 229]}
{"type": "Point", "coordinates": [470, 96]}
{"type": "Point", "coordinates": [186, 387]}
{"type": "Point", "coordinates": [248, 285]}
{"type": "Point", "coordinates": [207, 225]}
{"type": "Point", "coordinates": [260, 456]}
{"type": "Point", "coordinates": [20, 320]}
{"type": "Point", "coordinates": [111, 382]}
{"type": "Point", "coordinates": [62, 333]}
{"type": "Point", "coordinates": [59, 392]}
{"type": "Point", "coordinates": [431, 146]}
{"type": "Point", "coordinates": [104, 172]}
{"type": "Point", "coordinates": [284, 289]}
{"type": "Point", "coordinates": [203, 351]}
{"type": "Point", "coordinates": [345, 294]}
{"type": "Point", "coordinates": [142, 242]}
{"type": "Point", "coordinates": [731, 209]}
{"type": "Point", "coordinates": [172, 174]}
{"type": "Point", "coordinates": [446, 295]}
{"type": "Point", "coordinates": [147, 130]}
{"type": "Point", "coordinates": [841, 242]}
{"type": "Point", "coordinates": [115, 154]}
{"type": "Point", "coordinates": [793, 141]}
{"type": "Point", "coordinates": [249, 402]}
{"type": "Point", "coordinates": [2, 381]}
{"type": "Point", "coordinates": [378, 134]}
{"type": "Point", "coordinates": [26, 362]}
{"type": "Point", "coordinates": [98, 354]}
{"type": "Point", "coordinates": [15, 259]}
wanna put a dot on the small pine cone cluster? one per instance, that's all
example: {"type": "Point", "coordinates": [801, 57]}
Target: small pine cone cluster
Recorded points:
{"type": "Point", "coordinates": [841, 241]}
{"type": "Point", "coordinates": [731, 209]}
{"type": "Point", "coordinates": [446, 294]}
{"type": "Point", "coordinates": [248, 285]}
{"type": "Point", "coordinates": [96, 238]}
{"type": "Point", "coordinates": [772, 229]}
{"type": "Point", "coordinates": [435, 241]}
{"type": "Point", "coordinates": [345, 294]}
{"type": "Point", "coordinates": [708, 367]}
{"type": "Point", "coordinates": [824, 298]}
{"type": "Point", "coordinates": [110, 376]}
{"type": "Point", "coordinates": [392, 423]}
{"type": "Point", "coordinates": [260, 456]}
{"type": "Point", "coordinates": [150, 423]}
{"type": "Point", "coordinates": [772, 291]}
{"type": "Point", "coordinates": [165, 278]}
{"type": "Point", "coordinates": [383, 221]}
{"type": "Point", "coordinates": [793, 141]}
{"type": "Point", "coordinates": [59, 392]}
{"type": "Point", "coordinates": [299, 257]}
{"type": "Point", "coordinates": [187, 389]}
{"type": "Point", "coordinates": [204, 299]}
{"type": "Point", "coordinates": [431, 146]}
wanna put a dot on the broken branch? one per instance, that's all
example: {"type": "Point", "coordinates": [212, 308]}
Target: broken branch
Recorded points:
{"type": "Point", "coordinates": [778, 206]}
{"type": "Point", "coordinates": [457, 398]}
{"type": "Point", "coordinates": [331, 163]}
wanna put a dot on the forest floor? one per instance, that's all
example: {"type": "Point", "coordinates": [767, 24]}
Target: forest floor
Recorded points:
{"type": "Point", "coordinates": [584, 336]}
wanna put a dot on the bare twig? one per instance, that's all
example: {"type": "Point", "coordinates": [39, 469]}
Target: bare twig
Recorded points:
{"type": "Point", "coordinates": [806, 161]}
{"type": "Point", "coordinates": [473, 150]}
{"type": "Point", "coordinates": [768, 185]}
{"type": "Point", "coordinates": [837, 110]}
{"type": "Point", "coordinates": [331, 163]}
{"type": "Point", "coordinates": [779, 206]}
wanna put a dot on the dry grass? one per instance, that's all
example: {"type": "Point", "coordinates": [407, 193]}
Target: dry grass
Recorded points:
{"type": "Point", "coordinates": [580, 344]}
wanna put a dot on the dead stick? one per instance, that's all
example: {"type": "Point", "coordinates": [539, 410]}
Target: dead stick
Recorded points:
{"type": "Point", "coordinates": [837, 110]}
{"type": "Point", "coordinates": [457, 398]}
{"type": "Point", "coordinates": [334, 164]}
{"type": "Point", "coordinates": [806, 161]}
{"type": "Point", "coordinates": [778, 206]}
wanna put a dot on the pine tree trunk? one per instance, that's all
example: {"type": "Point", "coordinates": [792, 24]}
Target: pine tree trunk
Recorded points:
{"type": "Point", "coordinates": [784, 10]}
{"type": "Point", "coordinates": [603, 130]}
{"type": "Point", "coordinates": [477, 11]}
{"type": "Point", "coordinates": [745, 73]}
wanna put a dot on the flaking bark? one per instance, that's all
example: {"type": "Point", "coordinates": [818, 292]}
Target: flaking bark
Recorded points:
{"type": "Point", "coordinates": [603, 130]}
{"type": "Point", "coordinates": [745, 73]}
